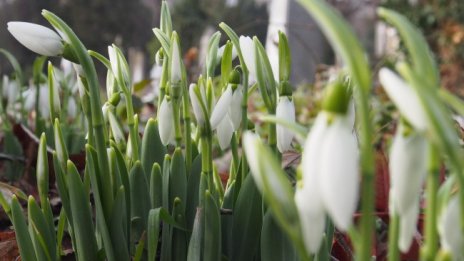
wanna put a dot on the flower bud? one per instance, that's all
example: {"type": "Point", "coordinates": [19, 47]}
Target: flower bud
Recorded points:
{"type": "Point", "coordinates": [337, 97]}
{"type": "Point", "coordinates": [248, 52]}
{"type": "Point", "coordinates": [285, 110]}
{"type": "Point", "coordinates": [405, 98]}
{"type": "Point", "coordinates": [196, 103]}
{"type": "Point", "coordinates": [176, 63]}
{"type": "Point", "coordinates": [166, 123]}
{"type": "Point", "coordinates": [221, 108]}
{"type": "Point", "coordinates": [37, 38]}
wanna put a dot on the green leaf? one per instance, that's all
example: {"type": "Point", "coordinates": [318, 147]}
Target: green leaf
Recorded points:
{"type": "Point", "coordinates": [343, 40]}
{"type": "Point", "coordinates": [153, 231]}
{"type": "Point", "coordinates": [247, 222]}
{"type": "Point", "coordinates": [178, 236]}
{"type": "Point", "coordinates": [42, 169]}
{"type": "Point", "coordinates": [275, 244]}
{"type": "Point", "coordinates": [118, 227]}
{"type": "Point", "coordinates": [101, 58]}
{"type": "Point", "coordinates": [12, 147]}
{"type": "Point", "coordinates": [421, 55]}
{"type": "Point", "coordinates": [285, 58]}
{"type": "Point", "coordinates": [156, 186]}
{"type": "Point", "coordinates": [452, 100]}
{"type": "Point", "coordinates": [193, 185]}
{"type": "Point", "coordinates": [227, 220]}
{"type": "Point", "coordinates": [166, 235]}
{"type": "Point", "coordinates": [165, 19]}
{"type": "Point", "coordinates": [196, 240]}
{"type": "Point", "coordinates": [62, 221]}
{"type": "Point", "coordinates": [164, 40]}
{"type": "Point", "coordinates": [275, 188]}
{"type": "Point", "coordinates": [124, 177]}
{"type": "Point", "coordinates": [211, 57]}
{"type": "Point", "coordinates": [140, 199]}
{"type": "Point", "coordinates": [235, 40]}
{"type": "Point", "coordinates": [264, 75]}
{"type": "Point", "coordinates": [300, 131]}
{"type": "Point", "coordinates": [178, 179]}
{"type": "Point", "coordinates": [226, 63]}
{"type": "Point", "coordinates": [60, 145]}
{"type": "Point", "coordinates": [62, 186]}
{"type": "Point", "coordinates": [152, 148]}
{"type": "Point", "coordinates": [22, 234]}
{"type": "Point", "coordinates": [86, 245]}
{"type": "Point", "coordinates": [37, 68]}
{"type": "Point", "coordinates": [212, 244]}
{"type": "Point", "coordinates": [45, 241]}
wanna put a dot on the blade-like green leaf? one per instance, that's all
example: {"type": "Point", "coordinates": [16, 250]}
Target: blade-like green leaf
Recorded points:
{"type": "Point", "coordinates": [40, 231]}
{"type": "Point", "coordinates": [164, 40]}
{"type": "Point", "coordinates": [211, 57]}
{"type": "Point", "coordinates": [118, 227]}
{"type": "Point", "coordinates": [247, 222]}
{"type": "Point", "coordinates": [212, 244]}
{"type": "Point", "coordinates": [275, 244]}
{"type": "Point", "coordinates": [264, 76]}
{"type": "Point", "coordinates": [86, 245]}
{"type": "Point", "coordinates": [156, 186]}
{"type": "Point", "coordinates": [422, 58]}
{"type": "Point", "coordinates": [226, 63]}
{"type": "Point", "coordinates": [196, 240]}
{"type": "Point", "coordinates": [178, 236]}
{"type": "Point", "coordinates": [178, 179]}
{"type": "Point", "coordinates": [152, 148]}
{"type": "Point", "coordinates": [100, 58]}
{"type": "Point", "coordinates": [193, 185]}
{"type": "Point", "coordinates": [22, 234]}
{"type": "Point", "coordinates": [15, 64]}
{"type": "Point", "coordinates": [235, 40]}
{"type": "Point", "coordinates": [140, 199]}
{"type": "Point", "coordinates": [42, 169]}
{"type": "Point", "coordinates": [153, 231]}
{"type": "Point", "coordinates": [285, 58]}
{"type": "Point", "coordinates": [165, 19]}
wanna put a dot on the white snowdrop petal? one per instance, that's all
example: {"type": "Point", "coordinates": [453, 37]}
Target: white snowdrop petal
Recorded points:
{"type": "Point", "coordinates": [176, 69]}
{"type": "Point", "coordinates": [44, 105]}
{"type": "Point", "coordinates": [285, 110]}
{"type": "Point", "coordinates": [29, 98]}
{"type": "Point", "coordinates": [72, 108]}
{"type": "Point", "coordinates": [248, 53]}
{"type": "Point", "coordinates": [405, 98]}
{"type": "Point", "coordinates": [118, 133]}
{"type": "Point", "coordinates": [408, 227]}
{"type": "Point", "coordinates": [221, 108]}
{"type": "Point", "coordinates": [451, 236]}
{"type": "Point", "coordinates": [165, 122]}
{"type": "Point", "coordinates": [235, 109]}
{"type": "Point", "coordinates": [312, 220]}
{"type": "Point", "coordinates": [197, 111]}
{"type": "Point", "coordinates": [339, 181]}
{"type": "Point", "coordinates": [224, 133]}
{"type": "Point", "coordinates": [408, 167]}
{"type": "Point", "coordinates": [37, 38]}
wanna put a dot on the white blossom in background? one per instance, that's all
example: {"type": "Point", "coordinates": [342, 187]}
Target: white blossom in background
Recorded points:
{"type": "Point", "coordinates": [449, 224]}
{"type": "Point", "coordinates": [30, 100]}
{"type": "Point", "coordinates": [248, 53]}
{"type": "Point", "coordinates": [165, 122]}
{"type": "Point", "coordinates": [285, 110]}
{"type": "Point", "coordinates": [37, 38]}
{"type": "Point", "coordinates": [196, 104]}
{"type": "Point", "coordinates": [278, 12]}
{"type": "Point", "coordinates": [72, 108]}
{"type": "Point", "coordinates": [221, 108]}
{"type": "Point", "coordinates": [407, 168]}
{"type": "Point", "coordinates": [405, 99]}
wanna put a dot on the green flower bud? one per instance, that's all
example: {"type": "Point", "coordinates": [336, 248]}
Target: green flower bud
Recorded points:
{"type": "Point", "coordinates": [337, 97]}
{"type": "Point", "coordinates": [234, 77]}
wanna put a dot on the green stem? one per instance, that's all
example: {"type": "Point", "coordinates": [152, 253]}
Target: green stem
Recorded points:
{"type": "Point", "coordinates": [176, 119]}
{"type": "Point", "coordinates": [244, 105]}
{"type": "Point", "coordinates": [364, 247]}
{"type": "Point", "coordinates": [430, 248]}
{"type": "Point", "coordinates": [187, 127]}
{"type": "Point", "coordinates": [163, 82]}
{"type": "Point", "coordinates": [393, 233]}
{"type": "Point", "coordinates": [95, 103]}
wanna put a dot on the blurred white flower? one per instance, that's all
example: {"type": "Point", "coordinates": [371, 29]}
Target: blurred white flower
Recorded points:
{"type": "Point", "coordinates": [408, 226]}
{"type": "Point", "coordinates": [119, 65]}
{"type": "Point", "coordinates": [225, 131]}
{"type": "Point", "coordinates": [405, 98]}
{"type": "Point", "coordinates": [220, 52]}
{"type": "Point", "coordinates": [221, 108]}
{"type": "Point", "coordinates": [30, 100]}
{"type": "Point", "coordinates": [72, 108]}
{"type": "Point", "coordinates": [285, 110]}
{"type": "Point", "coordinates": [37, 38]}
{"type": "Point", "coordinates": [248, 53]}
{"type": "Point", "coordinates": [449, 228]}
{"type": "Point", "coordinates": [235, 109]}
{"type": "Point", "coordinates": [165, 122]}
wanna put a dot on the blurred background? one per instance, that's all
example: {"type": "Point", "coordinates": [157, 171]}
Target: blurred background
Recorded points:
{"type": "Point", "coordinates": [129, 25]}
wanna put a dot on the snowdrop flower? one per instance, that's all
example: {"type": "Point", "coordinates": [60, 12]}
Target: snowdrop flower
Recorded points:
{"type": "Point", "coordinates": [30, 99]}
{"type": "Point", "coordinates": [166, 123]}
{"type": "Point", "coordinates": [330, 158]}
{"type": "Point", "coordinates": [408, 167]}
{"type": "Point", "coordinates": [119, 65]}
{"type": "Point", "coordinates": [72, 108]}
{"type": "Point", "coordinates": [285, 110]}
{"type": "Point", "coordinates": [176, 63]}
{"type": "Point", "coordinates": [235, 112]}
{"type": "Point", "coordinates": [37, 38]}
{"type": "Point", "coordinates": [452, 238]}
{"type": "Point", "coordinates": [405, 98]}
{"type": "Point", "coordinates": [248, 53]}
{"type": "Point", "coordinates": [10, 90]}
{"type": "Point", "coordinates": [220, 52]}
{"type": "Point", "coordinates": [225, 130]}
{"type": "Point", "coordinates": [196, 104]}
{"type": "Point", "coordinates": [221, 108]}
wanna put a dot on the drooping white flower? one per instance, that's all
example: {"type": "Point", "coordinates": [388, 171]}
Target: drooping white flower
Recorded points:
{"type": "Point", "coordinates": [408, 167]}
{"type": "Point", "coordinates": [405, 98]}
{"type": "Point", "coordinates": [30, 100]}
{"type": "Point", "coordinates": [166, 123]}
{"type": "Point", "coordinates": [225, 131]}
{"type": "Point", "coordinates": [338, 174]}
{"type": "Point", "coordinates": [408, 226]}
{"type": "Point", "coordinates": [285, 110]}
{"type": "Point", "coordinates": [248, 53]}
{"type": "Point", "coordinates": [37, 38]}
{"type": "Point", "coordinates": [176, 63]}
{"type": "Point", "coordinates": [235, 109]}
{"type": "Point", "coordinates": [449, 229]}
{"type": "Point", "coordinates": [119, 65]}
{"type": "Point", "coordinates": [196, 104]}
{"type": "Point", "coordinates": [72, 108]}
{"type": "Point", "coordinates": [221, 108]}
{"type": "Point", "coordinates": [308, 196]}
